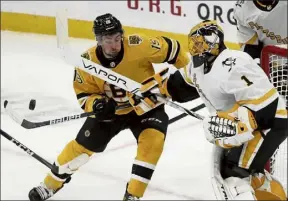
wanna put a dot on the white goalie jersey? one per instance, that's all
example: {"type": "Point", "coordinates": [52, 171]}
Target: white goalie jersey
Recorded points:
{"type": "Point", "coordinates": [258, 22]}
{"type": "Point", "coordinates": [234, 80]}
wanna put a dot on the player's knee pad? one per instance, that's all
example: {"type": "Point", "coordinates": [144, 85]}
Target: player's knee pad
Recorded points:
{"type": "Point", "coordinates": [72, 150]}
{"type": "Point", "coordinates": [150, 147]}
{"type": "Point", "coordinates": [267, 188]}
{"type": "Point", "coordinates": [72, 157]}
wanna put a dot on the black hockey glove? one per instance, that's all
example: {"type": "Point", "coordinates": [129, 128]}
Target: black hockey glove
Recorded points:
{"type": "Point", "coordinates": [104, 109]}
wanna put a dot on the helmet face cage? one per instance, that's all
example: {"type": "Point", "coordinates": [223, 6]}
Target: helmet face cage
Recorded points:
{"type": "Point", "coordinates": [205, 39]}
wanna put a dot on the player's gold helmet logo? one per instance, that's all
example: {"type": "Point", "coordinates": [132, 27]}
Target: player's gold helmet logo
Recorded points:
{"type": "Point", "coordinates": [205, 37]}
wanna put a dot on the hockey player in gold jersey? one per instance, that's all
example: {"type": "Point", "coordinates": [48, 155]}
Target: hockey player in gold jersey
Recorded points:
{"type": "Point", "coordinates": [131, 56]}
{"type": "Point", "coordinates": [247, 120]}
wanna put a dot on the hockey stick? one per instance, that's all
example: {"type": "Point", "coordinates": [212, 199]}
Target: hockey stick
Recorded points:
{"type": "Point", "coordinates": [68, 168]}
{"type": "Point", "coordinates": [117, 79]}
{"type": "Point", "coordinates": [180, 116]}
{"type": "Point", "coordinates": [98, 70]}
{"type": "Point", "coordinates": [31, 153]}
{"type": "Point", "coordinates": [30, 125]}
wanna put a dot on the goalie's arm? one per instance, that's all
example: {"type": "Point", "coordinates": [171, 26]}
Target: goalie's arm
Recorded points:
{"type": "Point", "coordinates": [253, 90]}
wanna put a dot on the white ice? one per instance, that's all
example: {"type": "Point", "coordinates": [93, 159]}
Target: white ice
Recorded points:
{"type": "Point", "coordinates": [32, 68]}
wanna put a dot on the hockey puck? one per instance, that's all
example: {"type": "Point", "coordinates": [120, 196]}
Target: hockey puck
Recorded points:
{"type": "Point", "coordinates": [32, 104]}
{"type": "Point", "coordinates": [5, 103]}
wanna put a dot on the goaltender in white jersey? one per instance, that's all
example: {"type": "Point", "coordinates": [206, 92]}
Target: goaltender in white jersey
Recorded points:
{"type": "Point", "coordinates": [260, 23]}
{"type": "Point", "coordinates": [247, 120]}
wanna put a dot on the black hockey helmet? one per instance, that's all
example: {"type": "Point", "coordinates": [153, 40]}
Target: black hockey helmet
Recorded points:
{"type": "Point", "coordinates": [265, 5]}
{"type": "Point", "coordinates": [106, 24]}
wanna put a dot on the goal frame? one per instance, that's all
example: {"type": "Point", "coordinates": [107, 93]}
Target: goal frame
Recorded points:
{"type": "Point", "coordinates": [271, 49]}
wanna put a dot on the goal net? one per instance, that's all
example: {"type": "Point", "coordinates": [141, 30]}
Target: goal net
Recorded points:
{"type": "Point", "coordinates": [274, 63]}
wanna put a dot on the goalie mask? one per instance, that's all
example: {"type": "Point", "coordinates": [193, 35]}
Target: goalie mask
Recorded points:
{"type": "Point", "coordinates": [206, 39]}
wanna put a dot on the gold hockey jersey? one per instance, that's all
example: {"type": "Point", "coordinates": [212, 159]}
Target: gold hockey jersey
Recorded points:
{"type": "Point", "coordinates": [135, 61]}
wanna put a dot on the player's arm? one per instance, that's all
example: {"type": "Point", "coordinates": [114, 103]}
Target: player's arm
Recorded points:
{"type": "Point", "coordinates": [177, 86]}
{"type": "Point", "coordinates": [246, 36]}
{"type": "Point", "coordinates": [86, 91]}
{"type": "Point", "coordinates": [85, 87]}
{"type": "Point", "coordinates": [162, 49]}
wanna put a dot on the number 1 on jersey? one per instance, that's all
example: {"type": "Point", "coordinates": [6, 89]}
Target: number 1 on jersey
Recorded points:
{"type": "Point", "coordinates": [248, 82]}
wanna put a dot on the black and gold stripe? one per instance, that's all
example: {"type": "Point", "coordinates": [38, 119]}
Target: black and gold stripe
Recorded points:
{"type": "Point", "coordinates": [142, 171]}
{"type": "Point", "coordinates": [173, 50]}
{"type": "Point", "coordinates": [82, 98]}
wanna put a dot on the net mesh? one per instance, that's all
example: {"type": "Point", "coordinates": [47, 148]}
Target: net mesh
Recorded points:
{"type": "Point", "coordinates": [275, 65]}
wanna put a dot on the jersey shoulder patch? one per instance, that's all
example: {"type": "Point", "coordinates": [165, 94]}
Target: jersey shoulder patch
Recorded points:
{"type": "Point", "coordinates": [134, 39]}
{"type": "Point", "coordinates": [85, 55]}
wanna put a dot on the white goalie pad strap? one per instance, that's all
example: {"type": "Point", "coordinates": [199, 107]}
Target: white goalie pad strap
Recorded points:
{"type": "Point", "coordinates": [239, 189]}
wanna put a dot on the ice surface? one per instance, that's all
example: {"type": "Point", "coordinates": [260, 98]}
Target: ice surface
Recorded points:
{"type": "Point", "coordinates": [31, 68]}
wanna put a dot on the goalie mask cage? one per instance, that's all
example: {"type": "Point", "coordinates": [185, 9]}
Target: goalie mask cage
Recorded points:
{"type": "Point", "coordinates": [274, 63]}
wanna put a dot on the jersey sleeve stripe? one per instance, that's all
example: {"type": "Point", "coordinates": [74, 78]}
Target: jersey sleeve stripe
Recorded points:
{"type": "Point", "coordinates": [169, 42]}
{"type": "Point", "coordinates": [173, 52]}
{"type": "Point", "coordinates": [82, 95]}
{"type": "Point", "coordinates": [175, 55]}
{"type": "Point", "coordinates": [260, 100]}
{"type": "Point", "coordinates": [82, 102]}
{"type": "Point", "coordinates": [251, 41]}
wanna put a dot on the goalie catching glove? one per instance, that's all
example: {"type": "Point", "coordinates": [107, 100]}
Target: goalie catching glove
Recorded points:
{"type": "Point", "coordinates": [227, 131]}
{"type": "Point", "coordinates": [154, 93]}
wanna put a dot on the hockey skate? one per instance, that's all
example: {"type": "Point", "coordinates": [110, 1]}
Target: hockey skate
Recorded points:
{"type": "Point", "coordinates": [129, 197]}
{"type": "Point", "coordinates": [41, 192]}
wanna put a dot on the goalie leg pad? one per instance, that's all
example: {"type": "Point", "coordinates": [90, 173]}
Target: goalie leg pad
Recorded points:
{"type": "Point", "coordinates": [239, 189]}
{"type": "Point", "coordinates": [267, 188]}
